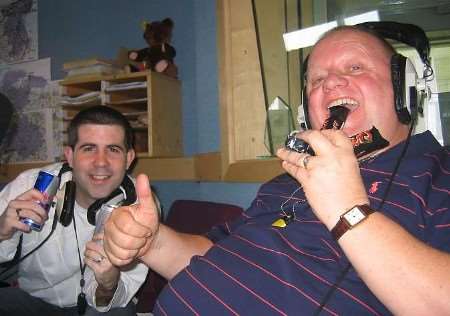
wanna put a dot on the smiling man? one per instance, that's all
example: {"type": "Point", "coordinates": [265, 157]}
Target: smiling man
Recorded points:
{"type": "Point", "coordinates": [337, 235]}
{"type": "Point", "coordinates": [99, 153]}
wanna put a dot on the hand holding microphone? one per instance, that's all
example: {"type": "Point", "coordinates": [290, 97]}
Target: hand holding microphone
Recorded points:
{"type": "Point", "coordinates": [327, 168]}
{"type": "Point", "coordinates": [130, 230]}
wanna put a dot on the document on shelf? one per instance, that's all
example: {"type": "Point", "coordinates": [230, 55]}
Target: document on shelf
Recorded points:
{"type": "Point", "coordinates": [127, 86]}
{"type": "Point", "coordinates": [81, 99]}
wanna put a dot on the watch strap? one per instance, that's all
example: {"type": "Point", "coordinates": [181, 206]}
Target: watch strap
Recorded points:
{"type": "Point", "coordinates": [342, 226]}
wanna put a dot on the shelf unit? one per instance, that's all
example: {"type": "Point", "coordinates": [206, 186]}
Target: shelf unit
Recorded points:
{"type": "Point", "coordinates": [151, 101]}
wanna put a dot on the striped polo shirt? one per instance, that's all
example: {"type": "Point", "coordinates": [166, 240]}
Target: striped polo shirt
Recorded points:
{"type": "Point", "coordinates": [257, 269]}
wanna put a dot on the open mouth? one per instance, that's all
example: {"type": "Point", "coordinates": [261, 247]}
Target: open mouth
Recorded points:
{"type": "Point", "coordinates": [338, 112]}
{"type": "Point", "coordinates": [346, 102]}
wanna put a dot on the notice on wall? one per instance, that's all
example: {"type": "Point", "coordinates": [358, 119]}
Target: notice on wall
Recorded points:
{"type": "Point", "coordinates": [19, 31]}
{"type": "Point", "coordinates": [33, 134]}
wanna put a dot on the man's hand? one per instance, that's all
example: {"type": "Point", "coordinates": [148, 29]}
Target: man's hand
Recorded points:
{"type": "Point", "coordinates": [106, 274]}
{"type": "Point", "coordinates": [131, 230]}
{"type": "Point", "coordinates": [24, 206]}
{"type": "Point", "coordinates": [331, 179]}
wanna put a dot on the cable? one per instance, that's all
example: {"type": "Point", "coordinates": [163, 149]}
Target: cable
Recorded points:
{"type": "Point", "coordinates": [81, 300]}
{"type": "Point", "coordinates": [344, 272]}
{"type": "Point", "coordinates": [55, 221]}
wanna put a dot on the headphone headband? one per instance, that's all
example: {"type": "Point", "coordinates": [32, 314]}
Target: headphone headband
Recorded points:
{"type": "Point", "coordinates": [409, 34]}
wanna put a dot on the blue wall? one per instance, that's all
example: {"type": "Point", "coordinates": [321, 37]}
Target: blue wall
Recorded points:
{"type": "Point", "coordinates": [70, 30]}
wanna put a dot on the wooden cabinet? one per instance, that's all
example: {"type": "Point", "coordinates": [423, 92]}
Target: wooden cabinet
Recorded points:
{"type": "Point", "coordinates": [150, 101]}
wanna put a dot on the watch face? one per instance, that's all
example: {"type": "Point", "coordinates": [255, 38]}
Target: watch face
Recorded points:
{"type": "Point", "coordinates": [354, 216]}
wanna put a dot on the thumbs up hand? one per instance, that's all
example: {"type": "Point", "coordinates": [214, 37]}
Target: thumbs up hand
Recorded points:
{"type": "Point", "coordinates": [130, 230]}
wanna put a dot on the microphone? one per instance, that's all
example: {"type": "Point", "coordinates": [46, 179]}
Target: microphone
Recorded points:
{"type": "Point", "coordinates": [336, 120]}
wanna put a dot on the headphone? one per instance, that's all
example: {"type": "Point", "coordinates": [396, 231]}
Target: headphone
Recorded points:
{"type": "Point", "coordinates": [409, 90]}
{"type": "Point", "coordinates": [124, 194]}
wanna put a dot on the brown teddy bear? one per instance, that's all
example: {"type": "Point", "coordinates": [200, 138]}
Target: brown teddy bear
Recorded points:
{"type": "Point", "coordinates": [159, 55]}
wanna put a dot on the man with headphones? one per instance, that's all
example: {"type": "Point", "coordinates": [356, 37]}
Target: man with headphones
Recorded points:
{"type": "Point", "coordinates": [63, 266]}
{"type": "Point", "coordinates": [337, 234]}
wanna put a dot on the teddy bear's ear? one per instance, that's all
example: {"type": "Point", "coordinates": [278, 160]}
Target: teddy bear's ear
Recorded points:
{"type": "Point", "coordinates": [167, 22]}
{"type": "Point", "coordinates": [144, 25]}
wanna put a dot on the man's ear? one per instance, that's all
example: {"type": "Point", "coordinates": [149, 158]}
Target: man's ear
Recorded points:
{"type": "Point", "coordinates": [130, 157]}
{"type": "Point", "coordinates": [68, 153]}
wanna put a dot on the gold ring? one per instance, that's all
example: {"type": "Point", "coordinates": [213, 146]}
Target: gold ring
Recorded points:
{"type": "Point", "coordinates": [305, 161]}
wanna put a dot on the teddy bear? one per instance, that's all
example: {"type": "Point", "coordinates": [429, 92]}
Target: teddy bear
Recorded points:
{"type": "Point", "coordinates": [159, 55]}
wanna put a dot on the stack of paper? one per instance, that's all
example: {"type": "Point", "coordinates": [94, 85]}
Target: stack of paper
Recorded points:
{"type": "Point", "coordinates": [86, 98]}
{"type": "Point", "coordinates": [91, 66]}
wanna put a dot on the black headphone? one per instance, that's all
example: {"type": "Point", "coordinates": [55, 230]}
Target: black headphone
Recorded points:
{"type": "Point", "coordinates": [409, 90]}
{"type": "Point", "coordinates": [125, 194]}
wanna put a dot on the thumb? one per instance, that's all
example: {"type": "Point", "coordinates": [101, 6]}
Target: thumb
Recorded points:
{"type": "Point", "coordinates": [146, 212]}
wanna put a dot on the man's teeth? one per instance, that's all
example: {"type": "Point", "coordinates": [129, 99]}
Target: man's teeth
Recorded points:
{"type": "Point", "coordinates": [344, 102]}
{"type": "Point", "coordinates": [100, 177]}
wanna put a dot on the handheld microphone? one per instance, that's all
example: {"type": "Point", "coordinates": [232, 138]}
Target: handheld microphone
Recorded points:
{"type": "Point", "coordinates": [364, 143]}
{"type": "Point", "coordinates": [336, 120]}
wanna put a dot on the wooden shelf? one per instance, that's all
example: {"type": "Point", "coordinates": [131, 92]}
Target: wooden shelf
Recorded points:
{"type": "Point", "coordinates": [155, 96]}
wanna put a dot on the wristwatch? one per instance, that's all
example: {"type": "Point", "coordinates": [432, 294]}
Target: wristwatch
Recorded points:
{"type": "Point", "coordinates": [350, 219]}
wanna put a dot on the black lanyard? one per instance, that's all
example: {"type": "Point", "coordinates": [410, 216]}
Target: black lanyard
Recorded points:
{"type": "Point", "coordinates": [81, 301]}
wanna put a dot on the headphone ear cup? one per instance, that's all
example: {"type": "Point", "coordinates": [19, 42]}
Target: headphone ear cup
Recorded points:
{"type": "Point", "coordinates": [302, 113]}
{"type": "Point", "coordinates": [65, 197]}
{"type": "Point", "coordinates": [398, 71]}
{"type": "Point", "coordinates": [411, 93]}
{"type": "Point", "coordinates": [303, 109]}
{"type": "Point", "coordinates": [65, 211]}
